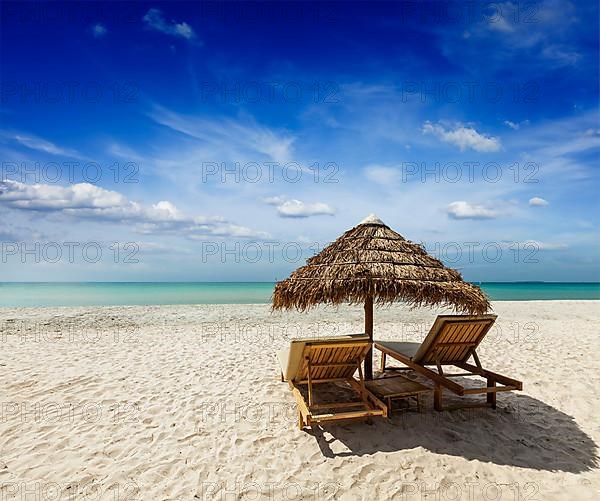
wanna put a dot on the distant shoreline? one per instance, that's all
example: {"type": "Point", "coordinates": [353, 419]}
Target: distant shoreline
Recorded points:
{"type": "Point", "coordinates": [49, 294]}
{"type": "Point", "coordinates": [265, 282]}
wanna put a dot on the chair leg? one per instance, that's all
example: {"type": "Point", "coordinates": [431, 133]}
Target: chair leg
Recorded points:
{"type": "Point", "coordinates": [437, 398]}
{"type": "Point", "coordinates": [310, 387]}
{"type": "Point", "coordinates": [361, 379]}
{"type": "Point", "coordinates": [491, 397]}
{"type": "Point", "coordinates": [282, 378]}
{"type": "Point", "coordinates": [383, 356]}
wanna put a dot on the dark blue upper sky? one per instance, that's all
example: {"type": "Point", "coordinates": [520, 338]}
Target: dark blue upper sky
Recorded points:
{"type": "Point", "coordinates": [391, 97]}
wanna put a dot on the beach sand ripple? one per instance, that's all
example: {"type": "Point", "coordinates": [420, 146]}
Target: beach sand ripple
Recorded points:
{"type": "Point", "coordinates": [185, 402]}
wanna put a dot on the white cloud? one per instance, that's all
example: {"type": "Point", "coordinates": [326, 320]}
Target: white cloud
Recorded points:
{"type": "Point", "coordinates": [381, 174]}
{"type": "Point", "coordinates": [12, 233]}
{"type": "Point", "coordinates": [99, 30]}
{"type": "Point", "coordinates": [39, 144]}
{"type": "Point", "coordinates": [532, 246]}
{"type": "Point", "coordinates": [297, 209]}
{"type": "Point", "coordinates": [52, 197]}
{"type": "Point", "coordinates": [515, 125]}
{"type": "Point", "coordinates": [498, 22]}
{"type": "Point", "coordinates": [276, 200]}
{"type": "Point", "coordinates": [465, 210]}
{"type": "Point", "coordinates": [86, 201]}
{"type": "Point", "coordinates": [543, 246]}
{"type": "Point", "coordinates": [538, 202]}
{"type": "Point", "coordinates": [463, 137]}
{"type": "Point", "coordinates": [544, 30]}
{"type": "Point", "coordinates": [558, 146]}
{"type": "Point", "coordinates": [561, 56]}
{"type": "Point", "coordinates": [304, 240]}
{"type": "Point", "coordinates": [243, 138]}
{"type": "Point", "coordinates": [155, 20]}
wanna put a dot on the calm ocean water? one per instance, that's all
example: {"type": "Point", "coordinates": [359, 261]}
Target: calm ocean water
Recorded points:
{"type": "Point", "coordinates": [140, 293]}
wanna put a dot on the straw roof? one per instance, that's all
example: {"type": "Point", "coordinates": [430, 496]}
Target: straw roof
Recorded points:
{"type": "Point", "coordinates": [372, 260]}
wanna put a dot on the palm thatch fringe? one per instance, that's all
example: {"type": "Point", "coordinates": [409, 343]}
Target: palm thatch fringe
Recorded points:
{"type": "Point", "coordinates": [373, 261]}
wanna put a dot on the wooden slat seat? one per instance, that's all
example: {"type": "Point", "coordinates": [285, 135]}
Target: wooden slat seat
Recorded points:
{"type": "Point", "coordinates": [452, 340]}
{"type": "Point", "coordinates": [322, 360]}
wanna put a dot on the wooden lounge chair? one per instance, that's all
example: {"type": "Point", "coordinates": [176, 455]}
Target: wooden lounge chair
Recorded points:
{"type": "Point", "coordinates": [309, 362]}
{"type": "Point", "coordinates": [452, 340]}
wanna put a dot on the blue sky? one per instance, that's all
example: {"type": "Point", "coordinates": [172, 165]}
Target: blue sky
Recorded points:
{"type": "Point", "coordinates": [228, 141]}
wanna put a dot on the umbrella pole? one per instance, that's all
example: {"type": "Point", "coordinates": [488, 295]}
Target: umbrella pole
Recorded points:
{"type": "Point", "coordinates": [369, 332]}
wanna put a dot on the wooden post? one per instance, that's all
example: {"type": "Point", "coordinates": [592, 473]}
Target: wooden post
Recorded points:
{"type": "Point", "coordinates": [362, 383]}
{"type": "Point", "coordinates": [369, 332]}
{"type": "Point", "coordinates": [491, 397]}
{"type": "Point", "coordinates": [310, 388]}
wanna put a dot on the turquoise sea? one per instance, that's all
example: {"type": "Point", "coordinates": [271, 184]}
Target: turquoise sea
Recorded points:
{"type": "Point", "coordinates": [138, 293]}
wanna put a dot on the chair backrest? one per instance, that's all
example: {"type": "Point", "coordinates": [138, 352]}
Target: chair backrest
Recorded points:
{"type": "Point", "coordinates": [330, 358]}
{"type": "Point", "coordinates": [452, 338]}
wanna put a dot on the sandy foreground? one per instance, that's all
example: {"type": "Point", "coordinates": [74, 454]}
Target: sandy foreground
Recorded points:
{"type": "Point", "coordinates": [185, 402]}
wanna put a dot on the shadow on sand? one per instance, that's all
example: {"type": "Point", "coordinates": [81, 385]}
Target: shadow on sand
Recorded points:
{"type": "Point", "coordinates": [522, 431]}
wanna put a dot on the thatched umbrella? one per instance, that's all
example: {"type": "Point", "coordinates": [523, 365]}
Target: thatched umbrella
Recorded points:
{"type": "Point", "coordinates": [372, 263]}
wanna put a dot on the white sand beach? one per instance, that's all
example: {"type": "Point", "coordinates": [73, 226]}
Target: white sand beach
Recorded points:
{"type": "Point", "coordinates": [185, 402]}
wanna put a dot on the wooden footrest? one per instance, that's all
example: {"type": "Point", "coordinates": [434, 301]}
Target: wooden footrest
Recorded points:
{"type": "Point", "coordinates": [319, 418]}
